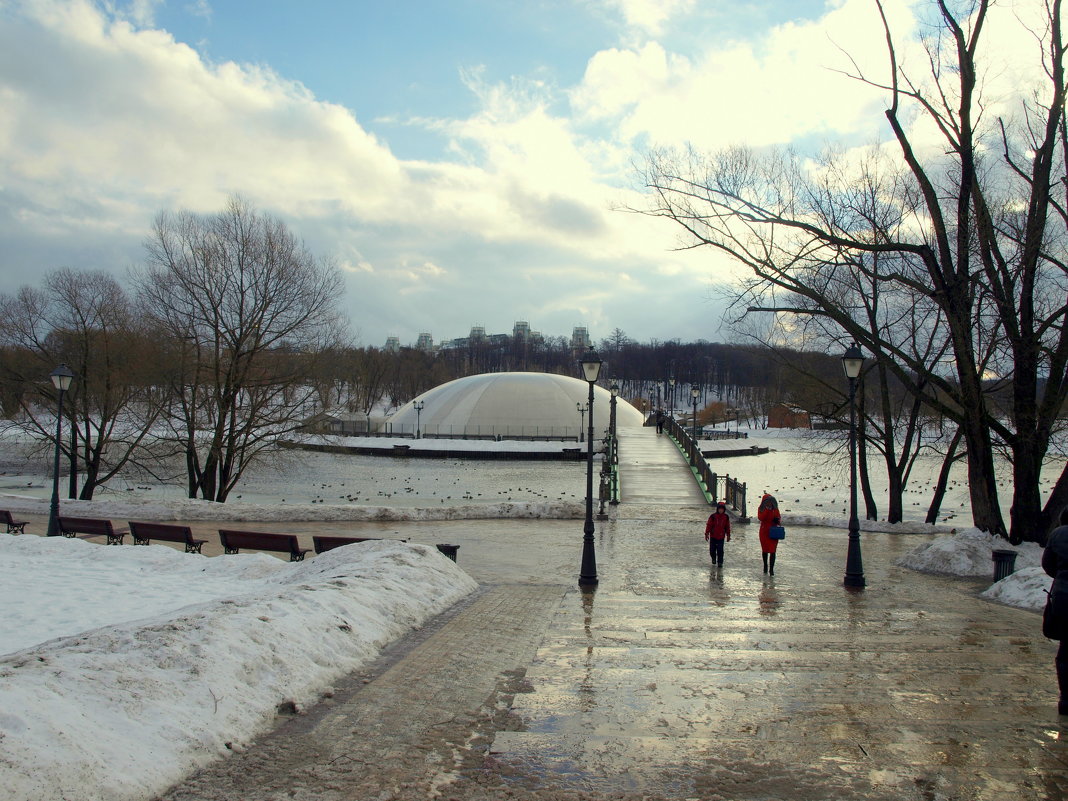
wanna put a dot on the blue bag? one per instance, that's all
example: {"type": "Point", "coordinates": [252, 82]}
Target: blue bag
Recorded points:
{"type": "Point", "coordinates": [777, 533]}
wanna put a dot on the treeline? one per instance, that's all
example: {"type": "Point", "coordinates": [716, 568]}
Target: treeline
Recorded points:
{"type": "Point", "coordinates": [229, 336]}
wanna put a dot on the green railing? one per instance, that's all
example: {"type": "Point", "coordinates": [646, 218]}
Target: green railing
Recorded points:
{"type": "Point", "coordinates": [733, 489]}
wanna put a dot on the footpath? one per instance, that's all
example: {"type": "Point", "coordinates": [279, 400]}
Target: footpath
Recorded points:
{"type": "Point", "coordinates": [675, 680]}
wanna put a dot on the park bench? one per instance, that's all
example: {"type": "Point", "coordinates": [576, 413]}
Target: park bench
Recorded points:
{"type": "Point", "coordinates": [143, 533]}
{"type": "Point", "coordinates": [13, 526]}
{"type": "Point", "coordinates": [328, 543]}
{"type": "Point", "coordinates": [90, 527]}
{"type": "Point", "coordinates": [232, 541]}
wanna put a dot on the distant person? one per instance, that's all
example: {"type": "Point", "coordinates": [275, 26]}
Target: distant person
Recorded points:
{"type": "Point", "coordinates": [718, 531]}
{"type": "Point", "coordinates": [659, 421]}
{"type": "Point", "coordinates": [768, 515]}
{"type": "Point", "coordinates": [1055, 620]}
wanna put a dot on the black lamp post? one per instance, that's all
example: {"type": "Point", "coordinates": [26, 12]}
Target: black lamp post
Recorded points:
{"type": "Point", "coordinates": [582, 416]}
{"type": "Point", "coordinates": [852, 364]}
{"type": "Point", "coordinates": [694, 394]}
{"type": "Point", "coordinates": [614, 389]}
{"type": "Point", "coordinates": [61, 378]}
{"type": "Point", "coordinates": [591, 368]}
{"type": "Point", "coordinates": [614, 453]}
{"type": "Point", "coordinates": [671, 383]}
{"type": "Point", "coordinates": [418, 406]}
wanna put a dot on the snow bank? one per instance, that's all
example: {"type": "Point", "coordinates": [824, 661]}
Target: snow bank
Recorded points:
{"type": "Point", "coordinates": [1026, 588]}
{"type": "Point", "coordinates": [122, 710]}
{"type": "Point", "coordinates": [968, 553]}
{"type": "Point", "coordinates": [191, 509]}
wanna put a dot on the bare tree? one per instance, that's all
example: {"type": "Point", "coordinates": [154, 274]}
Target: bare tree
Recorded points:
{"type": "Point", "coordinates": [83, 319]}
{"type": "Point", "coordinates": [235, 292]}
{"type": "Point", "coordinates": [976, 235]}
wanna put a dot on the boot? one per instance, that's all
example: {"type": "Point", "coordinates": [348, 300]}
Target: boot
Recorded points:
{"type": "Point", "coordinates": [771, 564]}
{"type": "Point", "coordinates": [764, 556]}
{"type": "Point", "coordinates": [1062, 677]}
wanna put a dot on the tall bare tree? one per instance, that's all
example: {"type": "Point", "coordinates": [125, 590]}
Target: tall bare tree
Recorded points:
{"type": "Point", "coordinates": [234, 292]}
{"type": "Point", "coordinates": [83, 319]}
{"type": "Point", "coordinates": [973, 229]}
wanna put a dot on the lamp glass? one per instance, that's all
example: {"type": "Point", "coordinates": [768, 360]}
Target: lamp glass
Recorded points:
{"type": "Point", "coordinates": [853, 361]}
{"type": "Point", "coordinates": [591, 365]}
{"type": "Point", "coordinates": [695, 392]}
{"type": "Point", "coordinates": [614, 389]}
{"type": "Point", "coordinates": [61, 377]}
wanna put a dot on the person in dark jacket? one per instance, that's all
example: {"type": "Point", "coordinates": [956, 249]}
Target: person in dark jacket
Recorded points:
{"type": "Point", "coordinates": [718, 531]}
{"type": "Point", "coordinates": [1055, 563]}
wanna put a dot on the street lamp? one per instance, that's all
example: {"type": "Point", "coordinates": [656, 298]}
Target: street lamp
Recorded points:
{"type": "Point", "coordinates": [671, 383]}
{"type": "Point", "coordinates": [614, 389]}
{"type": "Point", "coordinates": [614, 453]}
{"type": "Point", "coordinates": [61, 378]}
{"type": "Point", "coordinates": [418, 406]}
{"type": "Point", "coordinates": [582, 416]}
{"type": "Point", "coordinates": [591, 368]}
{"type": "Point", "coordinates": [695, 392]}
{"type": "Point", "coordinates": [852, 364]}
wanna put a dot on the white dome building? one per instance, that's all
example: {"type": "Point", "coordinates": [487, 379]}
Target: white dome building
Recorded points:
{"type": "Point", "coordinates": [511, 406]}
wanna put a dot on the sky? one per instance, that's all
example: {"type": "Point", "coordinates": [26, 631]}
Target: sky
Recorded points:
{"type": "Point", "coordinates": [463, 163]}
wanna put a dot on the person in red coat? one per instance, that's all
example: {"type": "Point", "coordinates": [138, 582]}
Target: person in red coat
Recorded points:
{"type": "Point", "coordinates": [717, 531]}
{"type": "Point", "coordinates": [768, 515]}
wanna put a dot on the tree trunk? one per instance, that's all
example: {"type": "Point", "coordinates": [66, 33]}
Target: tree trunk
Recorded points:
{"type": "Point", "coordinates": [1025, 514]}
{"type": "Point", "coordinates": [871, 511]}
{"type": "Point", "coordinates": [943, 477]}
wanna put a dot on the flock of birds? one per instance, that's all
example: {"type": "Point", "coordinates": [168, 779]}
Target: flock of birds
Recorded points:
{"type": "Point", "coordinates": [410, 486]}
{"type": "Point", "coordinates": [831, 489]}
{"type": "Point", "coordinates": [923, 489]}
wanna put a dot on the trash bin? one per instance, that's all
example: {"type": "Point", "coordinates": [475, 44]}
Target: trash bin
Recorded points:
{"type": "Point", "coordinates": [448, 550]}
{"type": "Point", "coordinates": [1004, 563]}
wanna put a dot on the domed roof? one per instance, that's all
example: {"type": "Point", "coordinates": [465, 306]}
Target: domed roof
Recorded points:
{"type": "Point", "coordinates": [512, 404]}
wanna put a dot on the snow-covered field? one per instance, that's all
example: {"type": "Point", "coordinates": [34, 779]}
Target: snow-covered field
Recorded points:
{"type": "Point", "coordinates": [125, 668]}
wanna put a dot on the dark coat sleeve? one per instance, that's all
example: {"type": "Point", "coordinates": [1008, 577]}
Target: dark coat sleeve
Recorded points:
{"type": "Point", "coordinates": [1055, 555]}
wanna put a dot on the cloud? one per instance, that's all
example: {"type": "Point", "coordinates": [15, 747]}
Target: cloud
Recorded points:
{"type": "Point", "coordinates": [108, 120]}
{"type": "Point", "coordinates": [651, 16]}
{"type": "Point", "coordinates": [774, 88]}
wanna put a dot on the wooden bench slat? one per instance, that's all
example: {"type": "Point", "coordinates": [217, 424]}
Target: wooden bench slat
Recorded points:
{"type": "Point", "coordinates": [13, 526]}
{"type": "Point", "coordinates": [144, 533]}
{"type": "Point", "coordinates": [91, 527]}
{"type": "Point", "coordinates": [233, 540]}
{"type": "Point", "coordinates": [323, 542]}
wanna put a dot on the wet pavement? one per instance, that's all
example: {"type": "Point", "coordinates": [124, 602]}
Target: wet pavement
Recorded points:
{"type": "Point", "coordinates": [675, 680]}
{"type": "Point", "coordinates": [681, 680]}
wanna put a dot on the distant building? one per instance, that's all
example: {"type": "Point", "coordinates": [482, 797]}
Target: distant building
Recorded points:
{"type": "Point", "coordinates": [424, 342]}
{"type": "Point", "coordinates": [392, 344]}
{"type": "Point", "coordinates": [580, 339]}
{"type": "Point", "coordinates": [785, 415]}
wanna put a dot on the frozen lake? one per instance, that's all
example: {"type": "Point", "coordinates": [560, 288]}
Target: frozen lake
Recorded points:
{"type": "Point", "coordinates": [804, 480]}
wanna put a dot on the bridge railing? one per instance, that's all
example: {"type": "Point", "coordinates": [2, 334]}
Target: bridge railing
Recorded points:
{"type": "Point", "coordinates": [733, 489]}
{"type": "Point", "coordinates": [609, 487]}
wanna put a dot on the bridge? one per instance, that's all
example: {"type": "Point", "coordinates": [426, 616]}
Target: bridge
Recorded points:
{"type": "Point", "coordinates": [667, 469]}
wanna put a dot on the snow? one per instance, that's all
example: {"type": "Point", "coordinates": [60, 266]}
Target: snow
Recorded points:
{"type": "Point", "coordinates": [124, 669]}
{"type": "Point", "coordinates": [969, 553]}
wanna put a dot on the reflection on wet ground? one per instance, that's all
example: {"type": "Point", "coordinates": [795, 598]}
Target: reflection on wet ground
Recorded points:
{"type": "Point", "coordinates": [688, 681]}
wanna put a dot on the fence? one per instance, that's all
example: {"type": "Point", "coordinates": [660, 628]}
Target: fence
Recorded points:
{"type": "Point", "coordinates": [359, 428]}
